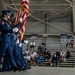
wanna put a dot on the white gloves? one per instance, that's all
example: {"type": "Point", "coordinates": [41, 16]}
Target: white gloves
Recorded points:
{"type": "Point", "coordinates": [26, 41]}
{"type": "Point", "coordinates": [20, 44]}
{"type": "Point", "coordinates": [21, 20]}
{"type": "Point", "coordinates": [15, 29]}
{"type": "Point", "coordinates": [17, 41]}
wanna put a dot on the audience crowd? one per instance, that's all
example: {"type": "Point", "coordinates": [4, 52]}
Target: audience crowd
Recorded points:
{"type": "Point", "coordinates": [42, 54]}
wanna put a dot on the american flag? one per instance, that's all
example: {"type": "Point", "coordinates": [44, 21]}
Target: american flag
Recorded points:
{"type": "Point", "coordinates": [22, 13]}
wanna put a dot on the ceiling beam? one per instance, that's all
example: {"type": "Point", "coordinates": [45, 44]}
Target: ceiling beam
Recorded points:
{"type": "Point", "coordinates": [13, 4]}
{"type": "Point", "coordinates": [44, 1]}
{"type": "Point", "coordinates": [71, 3]}
{"type": "Point", "coordinates": [45, 9]}
{"type": "Point", "coordinates": [32, 2]}
{"type": "Point", "coordinates": [52, 25]}
{"type": "Point", "coordinates": [17, 4]}
{"type": "Point", "coordinates": [47, 22]}
{"type": "Point", "coordinates": [12, 8]}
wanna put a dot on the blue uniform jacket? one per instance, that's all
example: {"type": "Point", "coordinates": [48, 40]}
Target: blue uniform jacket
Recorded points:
{"type": "Point", "coordinates": [5, 31]}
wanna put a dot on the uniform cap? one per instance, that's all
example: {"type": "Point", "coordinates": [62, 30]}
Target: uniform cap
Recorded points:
{"type": "Point", "coordinates": [9, 12]}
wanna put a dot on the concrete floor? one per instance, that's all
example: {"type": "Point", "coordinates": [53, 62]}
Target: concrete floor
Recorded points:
{"type": "Point", "coordinates": [43, 71]}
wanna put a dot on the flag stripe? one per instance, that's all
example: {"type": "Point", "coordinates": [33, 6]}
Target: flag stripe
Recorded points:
{"type": "Point", "coordinates": [22, 13]}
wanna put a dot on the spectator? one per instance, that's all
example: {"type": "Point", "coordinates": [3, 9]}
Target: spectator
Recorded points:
{"type": "Point", "coordinates": [49, 54]}
{"type": "Point", "coordinates": [35, 53]}
{"type": "Point", "coordinates": [46, 57]}
{"type": "Point", "coordinates": [54, 60]}
{"type": "Point", "coordinates": [71, 44]}
{"type": "Point", "coordinates": [28, 58]}
{"type": "Point", "coordinates": [27, 51]}
{"type": "Point", "coordinates": [63, 58]}
{"type": "Point", "coordinates": [62, 54]}
{"type": "Point", "coordinates": [39, 48]}
{"type": "Point", "coordinates": [32, 57]}
{"type": "Point", "coordinates": [32, 45]}
{"type": "Point", "coordinates": [44, 48]}
{"type": "Point", "coordinates": [58, 54]}
{"type": "Point", "coordinates": [68, 54]}
{"type": "Point", "coordinates": [38, 59]}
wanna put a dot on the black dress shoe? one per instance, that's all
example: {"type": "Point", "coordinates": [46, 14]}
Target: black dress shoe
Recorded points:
{"type": "Point", "coordinates": [20, 69]}
{"type": "Point", "coordinates": [1, 70]}
{"type": "Point", "coordinates": [23, 69]}
{"type": "Point", "coordinates": [8, 70]}
{"type": "Point", "coordinates": [29, 68]}
{"type": "Point", "coordinates": [16, 68]}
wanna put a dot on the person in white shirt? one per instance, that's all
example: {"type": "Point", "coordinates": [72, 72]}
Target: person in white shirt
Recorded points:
{"type": "Point", "coordinates": [63, 58]}
{"type": "Point", "coordinates": [62, 53]}
{"type": "Point", "coordinates": [27, 51]}
{"type": "Point", "coordinates": [34, 53]}
{"type": "Point", "coordinates": [28, 58]}
{"type": "Point", "coordinates": [32, 45]}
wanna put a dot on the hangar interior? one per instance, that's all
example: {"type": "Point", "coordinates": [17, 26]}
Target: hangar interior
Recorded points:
{"type": "Point", "coordinates": [47, 21]}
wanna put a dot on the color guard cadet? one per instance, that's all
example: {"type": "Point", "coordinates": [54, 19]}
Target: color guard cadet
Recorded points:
{"type": "Point", "coordinates": [5, 32]}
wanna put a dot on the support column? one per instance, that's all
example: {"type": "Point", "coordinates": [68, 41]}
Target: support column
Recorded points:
{"type": "Point", "coordinates": [74, 20]}
{"type": "Point", "coordinates": [46, 25]}
{"type": "Point", "coordinates": [74, 15]}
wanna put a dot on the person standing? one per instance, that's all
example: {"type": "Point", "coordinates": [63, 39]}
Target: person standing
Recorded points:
{"type": "Point", "coordinates": [6, 30]}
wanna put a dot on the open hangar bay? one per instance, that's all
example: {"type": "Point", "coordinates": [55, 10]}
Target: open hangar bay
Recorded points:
{"type": "Point", "coordinates": [48, 20]}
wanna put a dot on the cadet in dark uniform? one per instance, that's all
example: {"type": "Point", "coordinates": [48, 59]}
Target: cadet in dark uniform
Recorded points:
{"type": "Point", "coordinates": [0, 39]}
{"type": "Point", "coordinates": [0, 34]}
{"type": "Point", "coordinates": [9, 57]}
{"type": "Point", "coordinates": [5, 32]}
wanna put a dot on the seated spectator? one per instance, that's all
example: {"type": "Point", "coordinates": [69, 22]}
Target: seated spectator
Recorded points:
{"type": "Point", "coordinates": [43, 48]}
{"type": "Point", "coordinates": [28, 58]}
{"type": "Point", "coordinates": [62, 53]}
{"type": "Point", "coordinates": [71, 44]}
{"type": "Point", "coordinates": [58, 54]}
{"type": "Point", "coordinates": [50, 60]}
{"type": "Point", "coordinates": [62, 58]}
{"type": "Point", "coordinates": [39, 48]}
{"type": "Point", "coordinates": [35, 53]}
{"type": "Point", "coordinates": [54, 60]}
{"type": "Point", "coordinates": [32, 45]}
{"type": "Point", "coordinates": [38, 59]}
{"type": "Point", "coordinates": [68, 54]}
{"type": "Point", "coordinates": [46, 57]}
{"type": "Point", "coordinates": [49, 54]}
{"type": "Point", "coordinates": [32, 57]}
{"type": "Point", "coordinates": [27, 51]}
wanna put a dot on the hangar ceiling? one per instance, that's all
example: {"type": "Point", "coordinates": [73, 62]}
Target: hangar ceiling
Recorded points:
{"type": "Point", "coordinates": [43, 10]}
{"type": "Point", "coordinates": [56, 10]}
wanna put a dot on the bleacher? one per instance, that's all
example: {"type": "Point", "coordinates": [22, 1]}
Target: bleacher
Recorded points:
{"type": "Point", "coordinates": [69, 62]}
